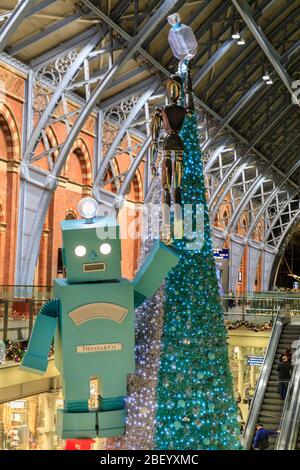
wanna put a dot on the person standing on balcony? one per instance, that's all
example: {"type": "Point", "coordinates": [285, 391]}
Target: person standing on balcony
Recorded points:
{"type": "Point", "coordinates": [231, 300]}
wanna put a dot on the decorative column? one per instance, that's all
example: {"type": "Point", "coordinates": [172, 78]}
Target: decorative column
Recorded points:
{"type": "Point", "coordinates": [2, 249]}
{"type": "Point", "coordinates": [49, 421]}
{"type": "Point", "coordinates": [252, 371]}
{"type": "Point", "coordinates": [240, 381]}
{"type": "Point", "coordinates": [13, 171]}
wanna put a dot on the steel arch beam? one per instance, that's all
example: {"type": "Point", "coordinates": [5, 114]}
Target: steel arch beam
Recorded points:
{"type": "Point", "coordinates": [57, 95]}
{"type": "Point", "coordinates": [283, 225]}
{"type": "Point", "coordinates": [270, 198]}
{"type": "Point", "coordinates": [268, 232]}
{"type": "Point", "coordinates": [234, 111]}
{"type": "Point", "coordinates": [220, 51]}
{"type": "Point", "coordinates": [243, 160]}
{"type": "Point", "coordinates": [42, 198]}
{"type": "Point", "coordinates": [258, 86]}
{"type": "Point", "coordinates": [14, 20]}
{"type": "Point", "coordinates": [249, 58]}
{"type": "Point", "coordinates": [60, 50]}
{"type": "Point", "coordinates": [226, 46]}
{"type": "Point", "coordinates": [161, 68]}
{"type": "Point", "coordinates": [254, 187]}
{"type": "Point", "coordinates": [249, 94]}
{"type": "Point", "coordinates": [214, 16]}
{"type": "Point", "coordinates": [225, 121]}
{"type": "Point", "coordinates": [215, 155]}
{"type": "Point", "coordinates": [245, 11]}
{"type": "Point", "coordinates": [75, 41]}
{"type": "Point", "coordinates": [24, 44]}
{"type": "Point", "coordinates": [127, 123]}
{"type": "Point", "coordinates": [138, 159]}
{"type": "Point", "coordinates": [133, 46]}
{"type": "Point", "coordinates": [289, 227]}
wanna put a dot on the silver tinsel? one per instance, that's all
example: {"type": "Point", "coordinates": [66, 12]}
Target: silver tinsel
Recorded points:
{"type": "Point", "coordinates": [141, 402]}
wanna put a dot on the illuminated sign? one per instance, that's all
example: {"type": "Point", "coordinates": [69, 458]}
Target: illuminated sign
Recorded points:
{"type": "Point", "coordinates": [255, 360]}
{"type": "Point", "coordinates": [223, 254]}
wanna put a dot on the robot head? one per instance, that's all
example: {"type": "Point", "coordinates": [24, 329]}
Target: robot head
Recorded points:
{"type": "Point", "coordinates": [91, 247]}
{"type": "Point", "coordinates": [173, 87]}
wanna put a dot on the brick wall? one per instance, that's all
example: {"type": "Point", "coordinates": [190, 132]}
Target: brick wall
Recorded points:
{"type": "Point", "coordinates": [75, 181]}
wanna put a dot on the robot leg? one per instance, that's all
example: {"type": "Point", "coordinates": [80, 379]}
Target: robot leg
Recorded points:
{"type": "Point", "coordinates": [112, 414]}
{"type": "Point", "coordinates": [166, 197]}
{"type": "Point", "coordinates": [178, 169]}
{"type": "Point", "coordinates": [75, 420]}
{"type": "Point", "coordinates": [76, 394]}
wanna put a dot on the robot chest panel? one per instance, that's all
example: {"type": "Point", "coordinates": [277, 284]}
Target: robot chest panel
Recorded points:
{"type": "Point", "coordinates": [89, 306]}
{"type": "Point", "coordinates": [173, 117]}
{"type": "Point", "coordinates": [98, 310]}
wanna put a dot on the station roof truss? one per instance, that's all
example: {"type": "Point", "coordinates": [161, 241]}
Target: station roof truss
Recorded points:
{"type": "Point", "coordinates": [109, 59]}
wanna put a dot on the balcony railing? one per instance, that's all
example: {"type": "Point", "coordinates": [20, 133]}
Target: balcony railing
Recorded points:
{"type": "Point", "coordinates": [19, 306]}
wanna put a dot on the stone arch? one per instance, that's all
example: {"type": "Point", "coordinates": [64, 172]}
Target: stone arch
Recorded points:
{"type": "Point", "coordinates": [53, 141]}
{"type": "Point", "coordinates": [136, 188]}
{"type": "Point", "coordinates": [243, 225]}
{"type": "Point", "coordinates": [242, 278]}
{"type": "Point", "coordinates": [216, 220]}
{"type": "Point", "coordinates": [225, 217]}
{"type": "Point", "coordinates": [112, 170]}
{"type": "Point", "coordinates": [259, 231]}
{"type": "Point", "coordinates": [9, 191]}
{"type": "Point", "coordinates": [81, 151]}
{"type": "Point", "coordinates": [11, 132]}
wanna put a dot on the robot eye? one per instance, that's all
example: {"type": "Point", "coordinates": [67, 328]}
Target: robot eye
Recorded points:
{"type": "Point", "coordinates": [105, 248]}
{"type": "Point", "coordinates": [80, 250]}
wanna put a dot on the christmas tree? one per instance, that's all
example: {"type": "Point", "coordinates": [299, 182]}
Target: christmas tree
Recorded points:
{"type": "Point", "coordinates": [195, 404]}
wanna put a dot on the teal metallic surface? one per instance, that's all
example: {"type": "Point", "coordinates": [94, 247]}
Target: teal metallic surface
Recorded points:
{"type": "Point", "coordinates": [91, 236]}
{"type": "Point", "coordinates": [96, 331]}
{"type": "Point", "coordinates": [92, 319]}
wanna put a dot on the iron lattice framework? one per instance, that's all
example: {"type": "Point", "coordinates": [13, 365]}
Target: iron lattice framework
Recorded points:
{"type": "Point", "coordinates": [105, 71]}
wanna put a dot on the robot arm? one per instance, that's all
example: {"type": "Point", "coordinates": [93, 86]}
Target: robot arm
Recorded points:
{"type": "Point", "coordinates": [36, 357]}
{"type": "Point", "coordinates": [152, 273]}
{"type": "Point", "coordinates": [155, 130]}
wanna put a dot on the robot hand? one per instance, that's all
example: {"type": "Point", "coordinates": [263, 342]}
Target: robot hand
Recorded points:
{"type": "Point", "coordinates": [153, 170]}
{"type": "Point", "coordinates": [35, 364]}
{"type": "Point", "coordinates": [36, 357]}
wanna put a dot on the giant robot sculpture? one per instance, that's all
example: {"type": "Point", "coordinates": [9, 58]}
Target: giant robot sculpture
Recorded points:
{"type": "Point", "coordinates": [171, 118]}
{"type": "Point", "coordinates": [92, 318]}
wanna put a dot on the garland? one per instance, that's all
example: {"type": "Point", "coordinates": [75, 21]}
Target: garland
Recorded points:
{"type": "Point", "coordinates": [234, 325]}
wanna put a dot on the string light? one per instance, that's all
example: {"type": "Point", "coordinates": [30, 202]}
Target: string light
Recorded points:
{"type": "Point", "coordinates": [15, 350]}
{"type": "Point", "coordinates": [241, 41]}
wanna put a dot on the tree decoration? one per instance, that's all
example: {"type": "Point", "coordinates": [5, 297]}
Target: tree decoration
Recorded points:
{"type": "Point", "coordinates": [16, 350]}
